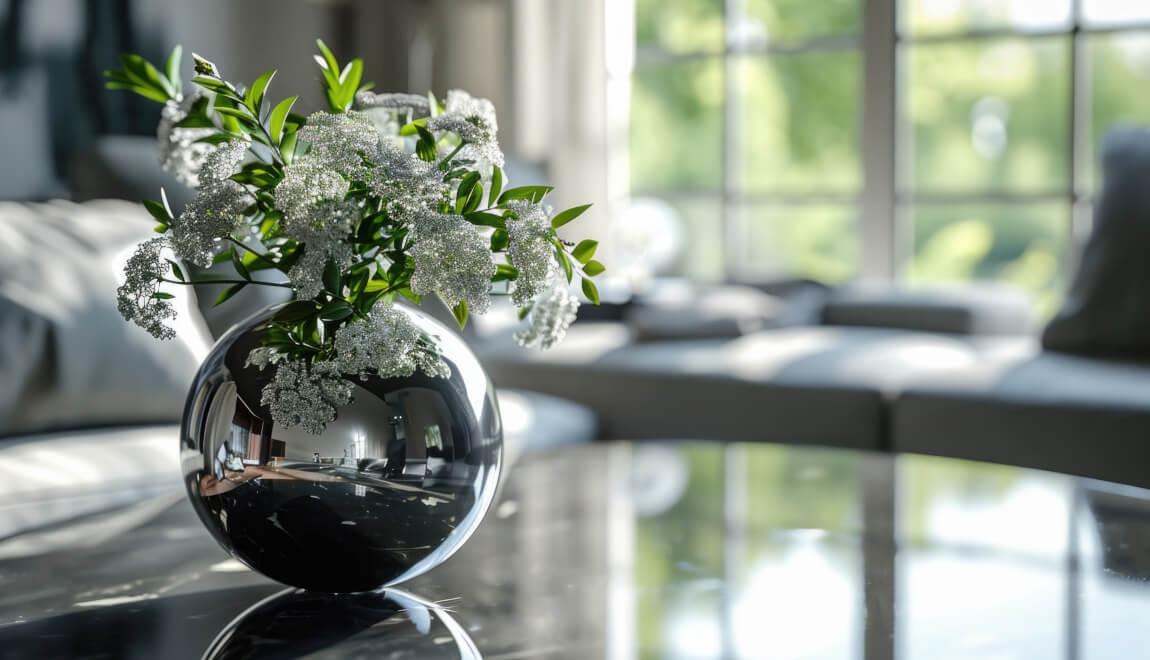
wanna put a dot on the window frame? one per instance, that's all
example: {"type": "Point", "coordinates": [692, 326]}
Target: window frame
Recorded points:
{"type": "Point", "coordinates": [884, 200]}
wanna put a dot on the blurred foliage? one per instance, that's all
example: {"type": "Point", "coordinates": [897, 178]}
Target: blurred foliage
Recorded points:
{"type": "Point", "coordinates": [978, 116]}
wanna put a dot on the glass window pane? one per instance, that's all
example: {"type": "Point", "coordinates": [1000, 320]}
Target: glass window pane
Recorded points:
{"type": "Point", "coordinates": [1120, 77]}
{"type": "Point", "coordinates": [766, 22]}
{"type": "Point", "coordinates": [816, 241]}
{"type": "Point", "coordinates": [677, 126]}
{"type": "Point", "coordinates": [941, 16]}
{"type": "Point", "coordinates": [1115, 12]}
{"type": "Point", "coordinates": [670, 236]}
{"type": "Point", "coordinates": [987, 116]}
{"type": "Point", "coordinates": [1018, 244]}
{"type": "Point", "coordinates": [680, 26]}
{"type": "Point", "coordinates": [799, 122]}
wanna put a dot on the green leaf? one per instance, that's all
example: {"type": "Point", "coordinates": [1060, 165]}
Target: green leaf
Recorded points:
{"type": "Point", "coordinates": [215, 85]}
{"type": "Point", "coordinates": [496, 185]}
{"type": "Point", "coordinates": [296, 311]}
{"type": "Point", "coordinates": [255, 96]}
{"type": "Point", "coordinates": [570, 214]}
{"type": "Point", "coordinates": [565, 261]}
{"type": "Point", "coordinates": [523, 312]}
{"type": "Point", "coordinates": [593, 268]}
{"type": "Point", "coordinates": [532, 193]}
{"type": "Point", "coordinates": [412, 128]}
{"type": "Point", "coordinates": [287, 147]}
{"type": "Point", "coordinates": [176, 270]}
{"type": "Point", "coordinates": [140, 90]}
{"type": "Point", "coordinates": [474, 199]}
{"type": "Point", "coordinates": [332, 280]}
{"type": "Point", "coordinates": [499, 240]}
{"type": "Point", "coordinates": [460, 313]}
{"type": "Point", "coordinates": [238, 264]}
{"type": "Point", "coordinates": [229, 292]}
{"type": "Point", "coordinates": [591, 291]}
{"type": "Point", "coordinates": [329, 62]}
{"type": "Point", "coordinates": [278, 116]}
{"type": "Point", "coordinates": [162, 295]}
{"type": "Point", "coordinates": [464, 191]}
{"type": "Point", "coordinates": [172, 68]}
{"type": "Point", "coordinates": [160, 228]}
{"type": "Point", "coordinates": [504, 273]}
{"type": "Point", "coordinates": [216, 138]}
{"type": "Point", "coordinates": [194, 120]}
{"type": "Point", "coordinates": [486, 219]}
{"type": "Point", "coordinates": [425, 148]}
{"type": "Point", "coordinates": [349, 79]}
{"type": "Point", "coordinates": [585, 250]}
{"type": "Point", "coordinates": [337, 310]}
{"type": "Point", "coordinates": [157, 211]}
{"type": "Point", "coordinates": [143, 73]}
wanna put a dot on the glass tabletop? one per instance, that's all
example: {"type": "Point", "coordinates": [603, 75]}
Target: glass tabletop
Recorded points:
{"type": "Point", "coordinates": [628, 550]}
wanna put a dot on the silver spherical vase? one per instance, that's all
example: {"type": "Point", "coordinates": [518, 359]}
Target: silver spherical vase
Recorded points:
{"type": "Point", "coordinates": [391, 488]}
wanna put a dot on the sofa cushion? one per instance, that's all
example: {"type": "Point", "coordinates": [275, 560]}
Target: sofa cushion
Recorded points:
{"type": "Point", "coordinates": [818, 385]}
{"type": "Point", "coordinates": [67, 356]}
{"type": "Point", "coordinates": [1045, 410]}
{"type": "Point", "coordinates": [973, 309]}
{"type": "Point", "coordinates": [1107, 311]}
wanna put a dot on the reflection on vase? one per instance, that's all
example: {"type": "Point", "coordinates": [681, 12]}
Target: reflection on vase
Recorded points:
{"type": "Point", "coordinates": [391, 488]}
{"type": "Point", "coordinates": [389, 623]}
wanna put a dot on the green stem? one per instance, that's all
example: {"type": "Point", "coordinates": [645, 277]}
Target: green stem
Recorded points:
{"type": "Point", "coordinates": [259, 257]}
{"type": "Point", "coordinates": [279, 284]}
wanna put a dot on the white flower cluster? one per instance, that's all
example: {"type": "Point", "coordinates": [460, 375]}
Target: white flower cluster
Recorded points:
{"type": "Point", "coordinates": [136, 297]}
{"type": "Point", "coordinates": [530, 250]}
{"type": "Point", "coordinates": [341, 142]}
{"type": "Point", "coordinates": [386, 344]}
{"type": "Point", "coordinates": [473, 120]}
{"type": "Point", "coordinates": [412, 187]}
{"type": "Point", "coordinates": [413, 105]}
{"type": "Point", "coordinates": [306, 395]}
{"type": "Point", "coordinates": [550, 316]}
{"type": "Point", "coordinates": [454, 262]}
{"type": "Point", "coordinates": [180, 153]}
{"type": "Point", "coordinates": [218, 208]}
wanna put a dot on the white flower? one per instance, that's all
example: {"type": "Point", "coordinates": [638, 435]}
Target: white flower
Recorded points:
{"type": "Point", "coordinates": [304, 195]}
{"type": "Point", "coordinates": [455, 264]}
{"type": "Point", "coordinates": [529, 250]}
{"type": "Point", "coordinates": [388, 344]}
{"type": "Point", "coordinates": [324, 235]}
{"type": "Point", "coordinates": [180, 153]}
{"type": "Point", "coordinates": [341, 142]}
{"type": "Point", "coordinates": [136, 298]}
{"type": "Point", "coordinates": [550, 316]}
{"type": "Point", "coordinates": [473, 120]}
{"type": "Point", "coordinates": [410, 186]}
{"type": "Point", "coordinates": [224, 161]}
{"type": "Point", "coordinates": [306, 395]}
{"type": "Point", "coordinates": [214, 214]}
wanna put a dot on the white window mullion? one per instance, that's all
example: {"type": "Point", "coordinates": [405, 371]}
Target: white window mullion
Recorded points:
{"type": "Point", "coordinates": [881, 249]}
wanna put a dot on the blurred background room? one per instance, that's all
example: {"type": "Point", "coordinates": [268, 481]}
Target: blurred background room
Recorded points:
{"type": "Point", "coordinates": [836, 231]}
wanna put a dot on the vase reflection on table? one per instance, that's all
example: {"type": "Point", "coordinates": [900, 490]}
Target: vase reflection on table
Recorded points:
{"type": "Point", "coordinates": [391, 488]}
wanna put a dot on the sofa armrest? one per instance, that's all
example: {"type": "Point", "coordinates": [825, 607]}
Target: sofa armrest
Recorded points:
{"type": "Point", "coordinates": [967, 310]}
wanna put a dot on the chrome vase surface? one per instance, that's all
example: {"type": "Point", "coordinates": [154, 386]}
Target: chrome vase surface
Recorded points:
{"type": "Point", "coordinates": [393, 487]}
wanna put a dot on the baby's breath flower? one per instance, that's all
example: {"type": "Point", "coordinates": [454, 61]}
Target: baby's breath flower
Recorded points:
{"type": "Point", "coordinates": [410, 186]}
{"type": "Point", "coordinates": [388, 344]}
{"type": "Point", "coordinates": [324, 236]}
{"type": "Point", "coordinates": [473, 120]}
{"type": "Point", "coordinates": [180, 153]}
{"type": "Point", "coordinates": [136, 298]}
{"type": "Point", "coordinates": [454, 264]}
{"type": "Point", "coordinates": [304, 195]}
{"type": "Point", "coordinates": [341, 142]}
{"type": "Point", "coordinates": [550, 316]}
{"type": "Point", "coordinates": [214, 214]}
{"type": "Point", "coordinates": [530, 250]}
{"type": "Point", "coordinates": [306, 395]}
{"type": "Point", "coordinates": [224, 161]}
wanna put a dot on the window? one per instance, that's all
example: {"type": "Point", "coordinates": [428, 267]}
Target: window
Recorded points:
{"type": "Point", "coordinates": [746, 125]}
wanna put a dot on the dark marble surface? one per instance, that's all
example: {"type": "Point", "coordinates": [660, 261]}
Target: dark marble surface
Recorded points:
{"type": "Point", "coordinates": [652, 551]}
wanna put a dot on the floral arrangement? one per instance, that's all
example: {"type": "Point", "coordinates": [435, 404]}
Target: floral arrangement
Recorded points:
{"type": "Point", "coordinates": [381, 196]}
